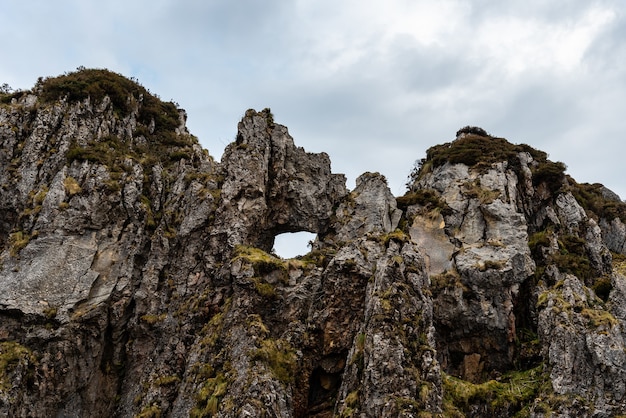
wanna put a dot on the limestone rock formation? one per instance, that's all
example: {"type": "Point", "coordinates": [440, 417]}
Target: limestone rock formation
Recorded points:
{"type": "Point", "coordinates": [137, 277]}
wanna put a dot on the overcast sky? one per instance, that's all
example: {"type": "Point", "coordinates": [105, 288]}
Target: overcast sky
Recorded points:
{"type": "Point", "coordinates": [372, 83]}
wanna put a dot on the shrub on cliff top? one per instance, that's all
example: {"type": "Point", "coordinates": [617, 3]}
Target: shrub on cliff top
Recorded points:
{"type": "Point", "coordinates": [475, 130]}
{"type": "Point", "coordinates": [123, 92]}
{"type": "Point", "coordinates": [475, 148]}
{"type": "Point", "coordinates": [7, 93]}
{"type": "Point", "coordinates": [92, 83]}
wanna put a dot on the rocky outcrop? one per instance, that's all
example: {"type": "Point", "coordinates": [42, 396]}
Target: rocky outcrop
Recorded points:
{"type": "Point", "coordinates": [137, 278]}
{"type": "Point", "coordinates": [277, 186]}
{"type": "Point", "coordinates": [489, 259]}
{"type": "Point", "coordinates": [514, 287]}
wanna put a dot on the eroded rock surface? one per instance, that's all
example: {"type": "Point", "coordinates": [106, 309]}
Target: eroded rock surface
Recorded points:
{"type": "Point", "coordinates": [137, 278]}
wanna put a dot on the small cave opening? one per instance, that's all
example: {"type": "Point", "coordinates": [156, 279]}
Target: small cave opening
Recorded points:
{"type": "Point", "coordinates": [323, 389]}
{"type": "Point", "coordinates": [528, 346]}
{"type": "Point", "coordinates": [293, 244]}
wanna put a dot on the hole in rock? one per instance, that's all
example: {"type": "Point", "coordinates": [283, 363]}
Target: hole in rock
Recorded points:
{"type": "Point", "coordinates": [323, 388]}
{"type": "Point", "coordinates": [293, 244]}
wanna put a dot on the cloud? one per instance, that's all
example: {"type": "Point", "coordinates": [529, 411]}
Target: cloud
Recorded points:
{"type": "Point", "coordinates": [372, 83]}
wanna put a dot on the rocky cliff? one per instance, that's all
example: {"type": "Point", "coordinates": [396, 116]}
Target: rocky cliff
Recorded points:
{"type": "Point", "coordinates": [137, 278]}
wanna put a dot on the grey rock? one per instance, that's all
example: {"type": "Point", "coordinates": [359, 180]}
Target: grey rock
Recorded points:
{"type": "Point", "coordinates": [583, 344]}
{"type": "Point", "coordinates": [136, 278]}
{"type": "Point", "coordinates": [369, 209]}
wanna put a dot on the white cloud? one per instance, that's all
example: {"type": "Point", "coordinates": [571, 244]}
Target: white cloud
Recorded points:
{"type": "Point", "coordinates": [362, 80]}
{"type": "Point", "coordinates": [517, 46]}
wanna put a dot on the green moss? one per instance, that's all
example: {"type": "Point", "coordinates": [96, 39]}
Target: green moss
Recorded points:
{"type": "Point", "coordinates": [113, 186]}
{"type": "Point", "coordinates": [280, 357]}
{"type": "Point", "coordinates": [31, 211]}
{"type": "Point", "coordinates": [71, 186]}
{"type": "Point", "coordinates": [203, 371]}
{"type": "Point", "coordinates": [347, 412]}
{"type": "Point", "coordinates": [424, 392]}
{"type": "Point", "coordinates": [40, 196]}
{"type": "Point", "coordinates": [492, 265]}
{"type": "Point", "coordinates": [261, 261]}
{"type": "Point", "coordinates": [152, 411]}
{"type": "Point", "coordinates": [153, 319]}
{"type": "Point", "coordinates": [212, 330]}
{"type": "Point", "coordinates": [263, 288]}
{"type": "Point", "coordinates": [107, 151]}
{"type": "Point", "coordinates": [543, 299]}
{"type": "Point", "coordinates": [319, 258]}
{"type": "Point", "coordinates": [360, 341]}
{"type": "Point", "coordinates": [263, 264]}
{"type": "Point", "coordinates": [408, 405]}
{"type": "Point", "coordinates": [571, 258]}
{"type": "Point", "coordinates": [449, 279]}
{"type": "Point", "coordinates": [125, 94]}
{"type": "Point", "coordinates": [591, 198]}
{"type": "Point", "coordinates": [474, 190]}
{"type": "Point", "coordinates": [427, 198]}
{"type": "Point", "coordinates": [599, 318]}
{"type": "Point", "coordinates": [350, 403]}
{"type": "Point", "coordinates": [151, 219]}
{"type": "Point", "coordinates": [12, 354]}
{"type": "Point", "coordinates": [398, 236]}
{"type": "Point", "coordinates": [50, 312]}
{"type": "Point", "coordinates": [256, 325]}
{"type": "Point", "coordinates": [358, 358]}
{"type": "Point", "coordinates": [619, 263]}
{"type": "Point", "coordinates": [180, 154]}
{"type": "Point", "coordinates": [203, 177]}
{"type": "Point", "coordinates": [166, 380]}
{"type": "Point", "coordinates": [157, 125]}
{"type": "Point", "coordinates": [352, 399]}
{"type": "Point", "coordinates": [92, 83]}
{"type": "Point", "coordinates": [512, 393]}
{"type": "Point", "coordinates": [209, 396]}
{"type": "Point", "coordinates": [592, 310]}
{"type": "Point", "coordinates": [556, 296]}
{"type": "Point", "coordinates": [17, 241]}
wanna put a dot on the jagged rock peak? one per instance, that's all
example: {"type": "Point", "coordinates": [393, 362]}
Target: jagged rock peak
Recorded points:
{"type": "Point", "coordinates": [271, 186]}
{"type": "Point", "coordinates": [136, 274]}
{"type": "Point", "coordinates": [502, 229]}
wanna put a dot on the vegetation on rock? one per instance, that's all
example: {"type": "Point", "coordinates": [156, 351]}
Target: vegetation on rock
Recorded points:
{"type": "Point", "coordinates": [124, 93]}
{"type": "Point", "coordinates": [262, 262]}
{"type": "Point", "coordinates": [480, 151]}
{"type": "Point", "coordinates": [473, 150]}
{"type": "Point", "coordinates": [133, 272]}
{"type": "Point", "coordinates": [593, 200]}
{"type": "Point", "coordinates": [428, 198]}
{"type": "Point", "coordinates": [13, 356]}
{"type": "Point", "coordinates": [510, 395]}
{"type": "Point", "coordinates": [280, 357]}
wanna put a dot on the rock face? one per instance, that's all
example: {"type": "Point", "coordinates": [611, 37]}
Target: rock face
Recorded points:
{"type": "Point", "coordinates": [137, 279]}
